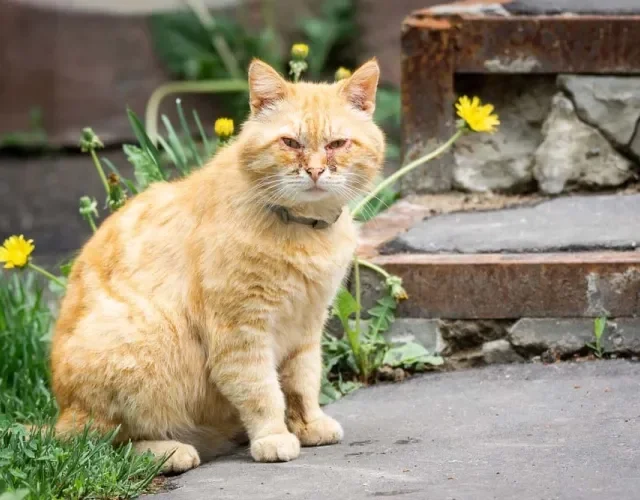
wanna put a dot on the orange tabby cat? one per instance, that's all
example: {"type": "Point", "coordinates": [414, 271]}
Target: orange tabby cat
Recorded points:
{"type": "Point", "coordinates": [193, 316]}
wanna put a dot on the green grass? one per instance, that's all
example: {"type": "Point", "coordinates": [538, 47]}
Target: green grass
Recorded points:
{"type": "Point", "coordinates": [39, 466]}
{"type": "Point", "coordinates": [25, 321]}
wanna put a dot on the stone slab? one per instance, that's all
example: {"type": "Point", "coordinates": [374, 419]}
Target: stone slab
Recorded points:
{"type": "Point", "coordinates": [575, 155]}
{"type": "Point", "coordinates": [425, 332]}
{"type": "Point", "coordinates": [407, 212]}
{"type": "Point", "coordinates": [540, 7]}
{"type": "Point", "coordinates": [569, 336]}
{"type": "Point", "coordinates": [610, 103]}
{"type": "Point", "coordinates": [564, 224]}
{"type": "Point", "coordinates": [513, 286]}
{"type": "Point", "coordinates": [525, 431]}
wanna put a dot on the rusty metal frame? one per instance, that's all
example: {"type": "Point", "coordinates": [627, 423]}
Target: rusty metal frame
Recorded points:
{"type": "Point", "coordinates": [442, 41]}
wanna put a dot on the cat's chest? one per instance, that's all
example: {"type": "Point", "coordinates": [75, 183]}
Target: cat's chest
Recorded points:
{"type": "Point", "coordinates": [314, 276]}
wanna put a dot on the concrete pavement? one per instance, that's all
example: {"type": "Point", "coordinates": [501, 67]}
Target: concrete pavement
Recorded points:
{"type": "Point", "coordinates": [567, 431]}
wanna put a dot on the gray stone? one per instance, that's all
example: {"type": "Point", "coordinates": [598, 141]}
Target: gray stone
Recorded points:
{"type": "Point", "coordinates": [634, 145]}
{"type": "Point", "coordinates": [622, 336]}
{"type": "Point", "coordinates": [570, 335]}
{"type": "Point", "coordinates": [462, 335]}
{"type": "Point", "coordinates": [609, 103]}
{"type": "Point", "coordinates": [468, 358]}
{"type": "Point", "coordinates": [504, 161]}
{"type": "Point", "coordinates": [528, 431]}
{"type": "Point", "coordinates": [562, 224]}
{"type": "Point", "coordinates": [563, 336]}
{"type": "Point", "coordinates": [538, 7]}
{"type": "Point", "coordinates": [498, 162]}
{"type": "Point", "coordinates": [575, 154]}
{"type": "Point", "coordinates": [421, 330]}
{"type": "Point", "coordinates": [500, 352]}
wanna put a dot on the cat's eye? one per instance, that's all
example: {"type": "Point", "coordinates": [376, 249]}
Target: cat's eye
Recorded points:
{"type": "Point", "coordinates": [292, 143]}
{"type": "Point", "coordinates": [337, 144]}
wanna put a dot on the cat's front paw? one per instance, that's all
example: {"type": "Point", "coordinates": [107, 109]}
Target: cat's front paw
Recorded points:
{"type": "Point", "coordinates": [324, 430]}
{"type": "Point", "coordinates": [276, 448]}
{"type": "Point", "coordinates": [184, 458]}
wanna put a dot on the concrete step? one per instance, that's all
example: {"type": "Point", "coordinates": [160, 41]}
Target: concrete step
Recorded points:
{"type": "Point", "coordinates": [504, 279]}
{"type": "Point", "coordinates": [511, 257]}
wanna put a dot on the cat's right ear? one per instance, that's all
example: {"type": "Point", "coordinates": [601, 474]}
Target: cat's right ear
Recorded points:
{"type": "Point", "coordinates": [266, 86]}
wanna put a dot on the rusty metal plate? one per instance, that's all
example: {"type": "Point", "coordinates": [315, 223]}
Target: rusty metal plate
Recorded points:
{"type": "Point", "coordinates": [499, 286]}
{"type": "Point", "coordinates": [548, 44]}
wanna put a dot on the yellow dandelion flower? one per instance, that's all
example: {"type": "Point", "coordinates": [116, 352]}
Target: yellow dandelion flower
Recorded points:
{"type": "Point", "coordinates": [342, 73]}
{"type": "Point", "coordinates": [15, 252]}
{"type": "Point", "coordinates": [300, 51]}
{"type": "Point", "coordinates": [478, 117]}
{"type": "Point", "coordinates": [223, 127]}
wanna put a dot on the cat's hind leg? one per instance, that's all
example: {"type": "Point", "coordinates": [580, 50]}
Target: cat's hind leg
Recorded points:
{"type": "Point", "coordinates": [182, 457]}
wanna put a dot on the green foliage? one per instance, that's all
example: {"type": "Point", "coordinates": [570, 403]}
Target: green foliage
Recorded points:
{"type": "Point", "coordinates": [179, 153]}
{"type": "Point", "coordinates": [25, 321]}
{"type": "Point", "coordinates": [410, 355]}
{"type": "Point", "coordinates": [145, 169]}
{"type": "Point", "coordinates": [39, 466]}
{"type": "Point", "coordinates": [329, 37]}
{"type": "Point", "coordinates": [388, 116]}
{"type": "Point", "coordinates": [185, 45]}
{"type": "Point", "coordinates": [363, 350]}
{"type": "Point", "coordinates": [599, 326]}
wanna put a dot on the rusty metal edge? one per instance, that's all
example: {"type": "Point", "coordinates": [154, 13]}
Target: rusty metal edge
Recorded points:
{"type": "Point", "coordinates": [511, 286]}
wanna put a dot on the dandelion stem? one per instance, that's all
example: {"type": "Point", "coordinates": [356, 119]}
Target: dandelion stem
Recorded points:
{"type": "Point", "coordinates": [92, 224]}
{"type": "Point", "coordinates": [103, 177]}
{"type": "Point", "coordinates": [357, 353]}
{"type": "Point", "coordinates": [373, 267]}
{"type": "Point", "coordinates": [46, 274]}
{"type": "Point", "coordinates": [405, 170]}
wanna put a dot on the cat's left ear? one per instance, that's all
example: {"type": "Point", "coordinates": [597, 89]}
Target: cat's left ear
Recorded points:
{"type": "Point", "coordinates": [266, 86]}
{"type": "Point", "coordinates": [360, 88]}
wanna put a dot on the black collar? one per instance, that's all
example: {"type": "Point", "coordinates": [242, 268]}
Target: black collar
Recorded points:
{"type": "Point", "coordinates": [287, 217]}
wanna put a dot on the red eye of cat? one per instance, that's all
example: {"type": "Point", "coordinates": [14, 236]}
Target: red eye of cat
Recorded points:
{"type": "Point", "coordinates": [292, 143]}
{"type": "Point", "coordinates": [336, 144]}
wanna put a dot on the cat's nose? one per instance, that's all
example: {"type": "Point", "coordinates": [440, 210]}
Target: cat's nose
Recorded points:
{"type": "Point", "coordinates": [315, 173]}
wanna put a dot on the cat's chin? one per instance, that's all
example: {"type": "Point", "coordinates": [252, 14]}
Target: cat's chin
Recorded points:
{"type": "Point", "coordinates": [312, 195]}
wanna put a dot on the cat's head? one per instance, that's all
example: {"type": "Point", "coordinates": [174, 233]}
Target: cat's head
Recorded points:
{"type": "Point", "coordinates": [312, 143]}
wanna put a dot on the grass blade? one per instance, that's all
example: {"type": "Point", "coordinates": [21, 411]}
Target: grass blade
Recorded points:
{"type": "Point", "coordinates": [187, 133]}
{"type": "Point", "coordinates": [168, 149]}
{"type": "Point", "coordinates": [176, 145]}
{"type": "Point", "coordinates": [145, 142]}
{"type": "Point", "coordinates": [205, 140]}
